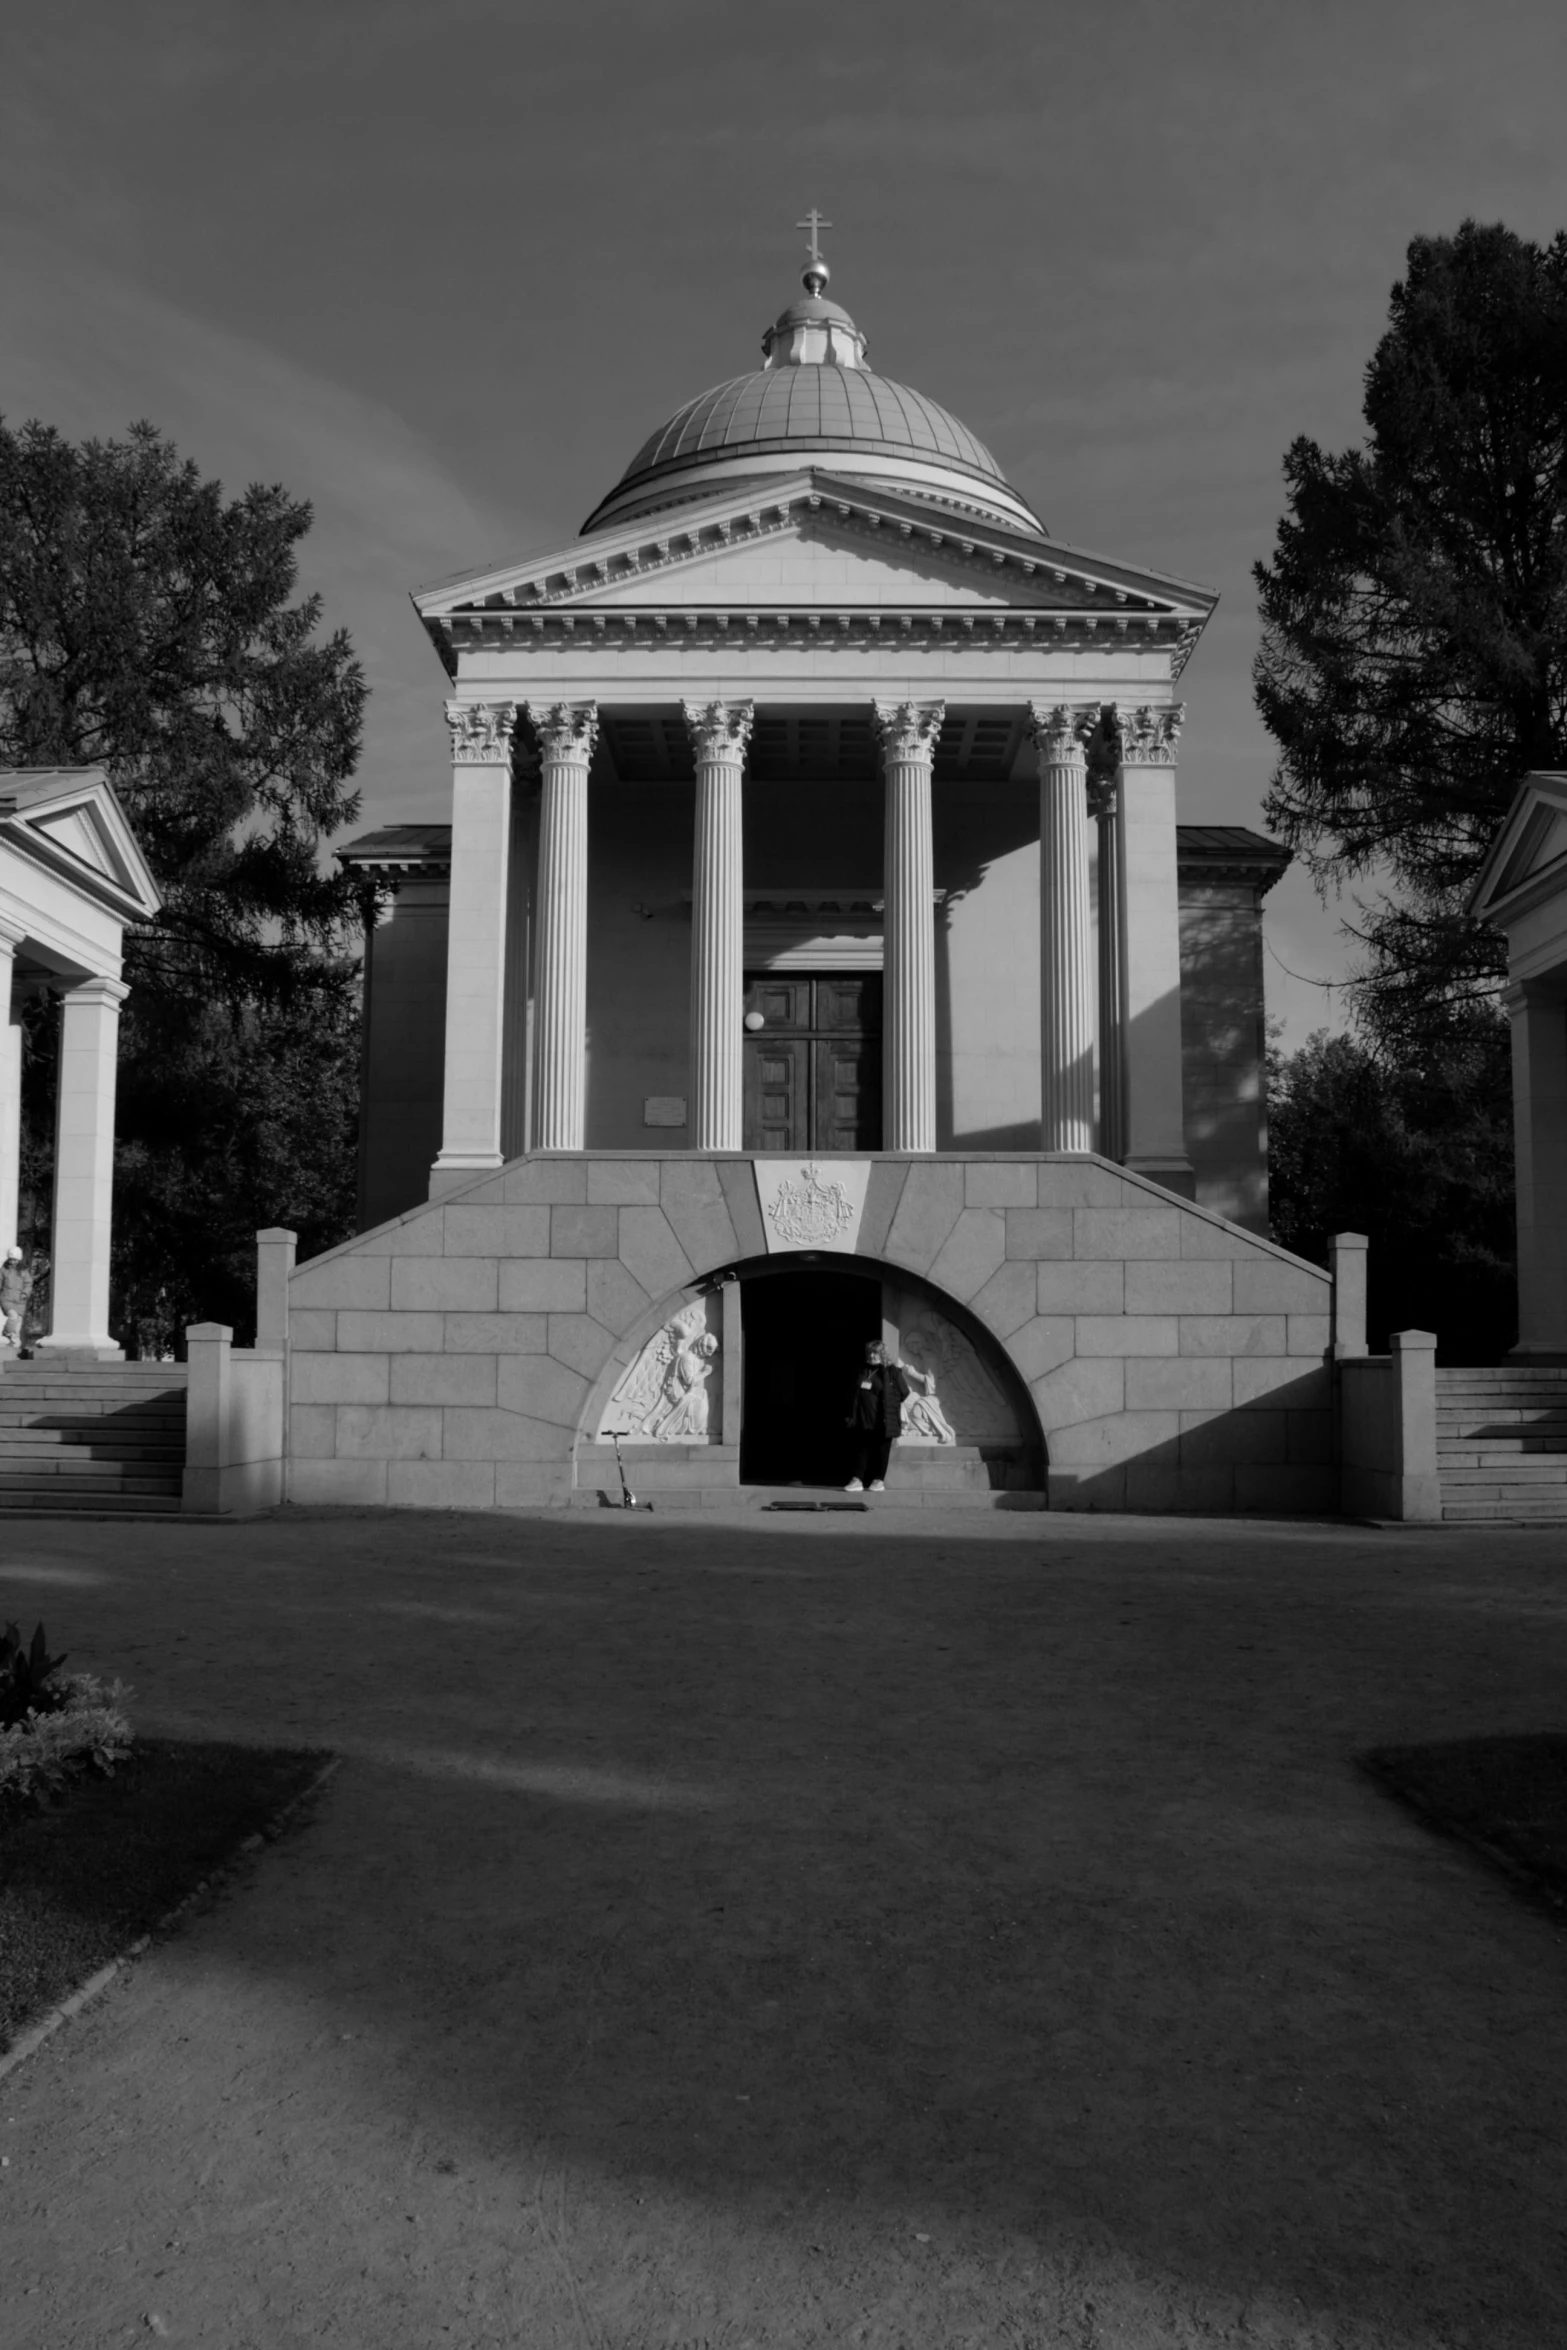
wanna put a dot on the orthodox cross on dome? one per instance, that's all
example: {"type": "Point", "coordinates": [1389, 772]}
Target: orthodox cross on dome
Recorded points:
{"type": "Point", "coordinates": [815, 223]}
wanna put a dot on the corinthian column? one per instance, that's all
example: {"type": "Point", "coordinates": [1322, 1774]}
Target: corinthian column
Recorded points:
{"type": "Point", "coordinates": [1066, 978]}
{"type": "Point", "coordinates": [567, 732]}
{"type": "Point", "coordinates": [1112, 1040]}
{"type": "Point", "coordinates": [720, 732]}
{"type": "Point", "coordinates": [908, 732]}
{"type": "Point", "coordinates": [481, 735]}
{"type": "Point", "coordinates": [1151, 944]}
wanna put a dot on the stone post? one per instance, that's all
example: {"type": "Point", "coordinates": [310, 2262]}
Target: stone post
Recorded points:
{"type": "Point", "coordinates": [1150, 945]}
{"type": "Point", "coordinates": [1112, 1042]}
{"type": "Point", "coordinates": [1066, 1023]}
{"type": "Point", "coordinates": [274, 1262]}
{"type": "Point", "coordinates": [1414, 1424]}
{"type": "Point", "coordinates": [209, 1371]}
{"type": "Point", "coordinates": [567, 733]}
{"type": "Point", "coordinates": [476, 941]}
{"type": "Point", "coordinates": [1539, 1039]}
{"type": "Point", "coordinates": [1347, 1264]}
{"type": "Point", "coordinates": [720, 732]}
{"type": "Point", "coordinates": [10, 1095]}
{"type": "Point", "coordinates": [84, 1173]}
{"type": "Point", "coordinates": [908, 733]}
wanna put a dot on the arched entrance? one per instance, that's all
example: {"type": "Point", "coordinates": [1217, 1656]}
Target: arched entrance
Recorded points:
{"type": "Point", "coordinates": [804, 1331]}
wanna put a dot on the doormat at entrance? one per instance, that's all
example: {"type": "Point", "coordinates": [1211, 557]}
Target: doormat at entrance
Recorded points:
{"type": "Point", "coordinates": [816, 1505]}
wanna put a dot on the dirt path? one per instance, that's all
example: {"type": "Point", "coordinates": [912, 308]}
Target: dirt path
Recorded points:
{"type": "Point", "coordinates": [813, 1936]}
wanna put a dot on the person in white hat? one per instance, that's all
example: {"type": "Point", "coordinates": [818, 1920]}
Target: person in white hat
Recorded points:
{"type": "Point", "coordinates": [16, 1287]}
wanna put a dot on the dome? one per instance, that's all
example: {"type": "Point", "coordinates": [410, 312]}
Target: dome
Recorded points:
{"type": "Point", "coordinates": [813, 403]}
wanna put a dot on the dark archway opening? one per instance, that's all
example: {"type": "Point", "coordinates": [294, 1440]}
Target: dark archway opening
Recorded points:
{"type": "Point", "coordinates": [805, 1335]}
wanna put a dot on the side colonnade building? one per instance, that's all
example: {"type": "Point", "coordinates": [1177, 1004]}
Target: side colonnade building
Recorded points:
{"type": "Point", "coordinates": [813, 955]}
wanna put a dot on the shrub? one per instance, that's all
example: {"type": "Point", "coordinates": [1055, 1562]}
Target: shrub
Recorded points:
{"type": "Point", "coordinates": [53, 1728]}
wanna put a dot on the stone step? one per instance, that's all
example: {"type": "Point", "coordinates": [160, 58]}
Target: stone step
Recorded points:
{"type": "Point", "coordinates": [1504, 1418]}
{"type": "Point", "coordinates": [58, 1500]}
{"type": "Point", "coordinates": [58, 1457]}
{"type": "Point", "coordinates": [1516, 1471]}
{"type": "Point", "coordinates": [130, 1477]}
{"type": "Point", "coordinates": [1512, 1511]}
{"type": "Point", "coordinates": [1453, 1455]}
{"type": "Point", "coordinates": [738, 1501]}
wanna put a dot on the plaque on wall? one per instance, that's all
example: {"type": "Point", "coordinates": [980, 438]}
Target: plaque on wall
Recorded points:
{"type": "Point", "coordinates": [664, 1109]}
{"type": "Point", "coordinates": [812, 1203]}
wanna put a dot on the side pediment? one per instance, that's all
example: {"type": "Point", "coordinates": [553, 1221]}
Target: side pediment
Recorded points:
{"type": "Point", "coordinates": [1528, 858]}
{"type": "Point", "coordinates": [69, 820]}
{"type": "Point", "coordinates": [816, 545]}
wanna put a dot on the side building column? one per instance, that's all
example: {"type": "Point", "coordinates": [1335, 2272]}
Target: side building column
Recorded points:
{"type": "Point", "coordinates": [84, 1172]}
{"type": "Point", "coordinates": [1066, 942]}
{"type": "Point", "coordinates": [1150, 944]}
{"type": "Point", "coordinates": [720, 732]}
{"type": "Point", "coordinates": [908, 733]}
{"type": "Point", "coordinates": [1539, 1037]}
{"type": "Point", "coordinates": [1112, 1022]}
{"type": "Point", "coordinates": [476, 942]}
{"type": "Point", "coordinates": [567, 733]}
{"type": "Point", "coordinates": [10, 1094]}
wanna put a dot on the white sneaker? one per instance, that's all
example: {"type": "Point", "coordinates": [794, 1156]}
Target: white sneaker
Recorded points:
{"type": "Point", "coordinates": [854, 1486]}
{"type": "Point", "coordinates": [877, 1485]}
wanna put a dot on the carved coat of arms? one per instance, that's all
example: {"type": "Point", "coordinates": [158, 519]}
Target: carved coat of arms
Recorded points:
{"type": "Point", "coordinates": [810, 1212]}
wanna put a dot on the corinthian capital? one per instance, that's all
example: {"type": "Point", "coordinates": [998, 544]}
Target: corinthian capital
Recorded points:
{"type": "Point", "coordinates": [567, 731]}
{"type": "Point", "coordinates": [1060, 729]}
{"type": "Point", "coordinates": [481, 732]}
{"type": "Point", "coordinates": [719, 730]}
{"type": "Point", "coordinates": [1149, 737]}
{"type": "Point", "coordinates": [908, 730]}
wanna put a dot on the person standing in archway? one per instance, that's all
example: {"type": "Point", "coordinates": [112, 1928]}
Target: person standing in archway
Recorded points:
{"type": "Point", "coordinates": [875, 1417]}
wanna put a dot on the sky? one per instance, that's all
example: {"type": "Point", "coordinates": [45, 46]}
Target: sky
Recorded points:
{"type": "Point", "coordinates": [441, 268]}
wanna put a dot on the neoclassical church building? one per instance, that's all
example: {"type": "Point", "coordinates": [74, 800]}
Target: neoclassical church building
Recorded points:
{"type": "Point", "coordinates": [810, 953]}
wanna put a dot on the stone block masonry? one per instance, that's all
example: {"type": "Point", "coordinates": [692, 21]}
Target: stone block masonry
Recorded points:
{"type": "Point", "coordinates": [461, 1356]}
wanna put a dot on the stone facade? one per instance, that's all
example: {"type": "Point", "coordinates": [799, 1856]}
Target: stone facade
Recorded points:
{"type": "Point", "coordinates": [463, 1356]}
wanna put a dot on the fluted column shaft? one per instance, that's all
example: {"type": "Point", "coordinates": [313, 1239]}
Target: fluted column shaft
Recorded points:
{"type": "Point", "coordinates": [10, 1095]}
{"type": "Point", "coordinates": [720, 732]}
{"type": "Point", "coordinates": [567, 732]}
{"type": "Point", "coordinates": [481, 735]}
{"type": "Point", "coordinates": [908, 733]}
{"type": "Point", "coordinates": [1150, 944]}
{"type": "Point", "coordinates": [84, 1170]}
{"type": "Point", "coordinates": [1112, 1038]}
{"type": "Point", "coordinates": [1066, 948]}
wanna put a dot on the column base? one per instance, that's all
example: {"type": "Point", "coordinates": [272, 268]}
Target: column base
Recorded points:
{"type": "Point", "coordinates": [1177, 1175]}
{"type": "Point", "coordinates": [70, 1352]}
{"type": "Point", "coordinates": [456, 1174]}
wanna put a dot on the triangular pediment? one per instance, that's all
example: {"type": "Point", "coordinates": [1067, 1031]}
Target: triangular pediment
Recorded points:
{"type": "Point", "coordinates": [69, 820]}
{"type": "Point", "coordinates": [818, 543]}
{"type": "Point", "coordinates": [1528, 857]}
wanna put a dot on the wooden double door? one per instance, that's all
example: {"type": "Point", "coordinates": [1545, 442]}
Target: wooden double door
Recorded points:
{"type": "Point", "coordinates": [813, 1068]}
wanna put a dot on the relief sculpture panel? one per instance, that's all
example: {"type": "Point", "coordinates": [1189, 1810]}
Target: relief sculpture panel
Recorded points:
{"type": "Point", "coordinates": [666, 1395]}
{"type": "Point", "coordinates": [973, 1405]}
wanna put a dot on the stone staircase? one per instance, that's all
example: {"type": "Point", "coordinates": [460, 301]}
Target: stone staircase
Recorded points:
{"type": "Point", "coordinates": [1501, 1444]}
{"type": "Point", "coordinates": [106, 1438]}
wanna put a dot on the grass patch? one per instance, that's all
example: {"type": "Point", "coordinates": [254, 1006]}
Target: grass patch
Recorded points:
{"type": "Point", "coordinates": [81, 1880]}
{"type": "Point", "coordinates": [1508, 1796]}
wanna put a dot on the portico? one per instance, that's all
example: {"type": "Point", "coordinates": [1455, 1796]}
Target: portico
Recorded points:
{"type": "Point", "coordinates": [71, 877]}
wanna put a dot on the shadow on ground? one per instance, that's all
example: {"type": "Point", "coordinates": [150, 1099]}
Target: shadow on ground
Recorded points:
{"type": "Point", "coordinates": [1017, 1898]}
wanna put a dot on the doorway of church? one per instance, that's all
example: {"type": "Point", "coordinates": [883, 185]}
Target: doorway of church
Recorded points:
{"type": "Point", "coordinates": [813, 1066]}
{"type": "Point", "coordinates": [805, 1336]}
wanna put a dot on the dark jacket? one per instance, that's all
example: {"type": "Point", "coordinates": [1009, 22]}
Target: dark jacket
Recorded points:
{"type": "Point", "coordinates": [877, 1401]}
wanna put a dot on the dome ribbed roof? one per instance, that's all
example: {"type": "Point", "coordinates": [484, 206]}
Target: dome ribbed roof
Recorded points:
{"type": "Point", "coordinates": [831, 407]}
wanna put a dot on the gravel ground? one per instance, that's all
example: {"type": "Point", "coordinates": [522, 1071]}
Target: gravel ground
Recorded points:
{"type": "Point", "coordinates": [814, 1934]}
